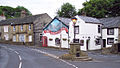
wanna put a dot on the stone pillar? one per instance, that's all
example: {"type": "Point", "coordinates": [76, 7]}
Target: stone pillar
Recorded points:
{"type": "Point", "coordinates": [75, 49]}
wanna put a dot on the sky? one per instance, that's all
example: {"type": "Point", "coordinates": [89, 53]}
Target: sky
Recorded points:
{"type": "Point", "coordinates": [42, 6]}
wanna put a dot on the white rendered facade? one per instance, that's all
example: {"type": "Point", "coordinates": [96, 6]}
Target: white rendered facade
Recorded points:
{"type": "Point", "coordinates": [87, 32]}
{"type": "Point", "coordinates": [106, 36]}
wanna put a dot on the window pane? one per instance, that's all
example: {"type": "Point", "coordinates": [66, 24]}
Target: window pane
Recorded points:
{"type": "Point", "coordinates": [21, 27]}
{"type": "Point", "coordinates": [6, 36]}
{"type": "Point", "coordinates": [30, 38]}
{"type": "Point", "coordinates": [110, 41]}
{"type": "Point", "coordinates": [40, 37]}
{"type": "Point", "coordinates": [99, 29]}
{"type": "Point", "coordinates": [77, 29]}
{"type": "Point", "coordinates": [57, 41]}
{"type": "Point", "coordinates": [14, 38]}
{"type": "Point", "coordinates": [5, 28]}
{"type": "Point", "coordinates": [29, 26]}
{"type": "Point", "coordinates": [21, 38]}
{"type": "Point", "coordinates": [97, 41]}
{"type": "Point", "coordinates": [110, 31]}
{"type": "Point", "coordinates": [13, 28]}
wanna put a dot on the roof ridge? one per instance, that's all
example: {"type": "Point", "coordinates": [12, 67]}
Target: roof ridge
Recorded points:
{"type": "Point", "coordinates": [26, 16]}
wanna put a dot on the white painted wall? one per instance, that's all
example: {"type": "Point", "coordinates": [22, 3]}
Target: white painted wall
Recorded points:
{"type": "Point", "coordinates": [85, 30]}
{"type": "Point", "coordinates": [64, 44]}
{"type": "Point", "coordinates": [105, 36]}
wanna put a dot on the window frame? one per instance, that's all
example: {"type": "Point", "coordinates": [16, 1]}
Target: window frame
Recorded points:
{"type": "Point", "coordinates": [109, 30]}
{"type": "Point", "coordinates": [76, 27]}
{"type": "Point", "coordinates": [29, 27]}
{"type": "Point", "coordinates": [14, 28]}
{"type": "Point", "coordinates": [98, 41]}
{"type": "Point", "coordinates": [41, 35]}
{"type": "Point", "coordinates": [30, 38]}
{"type": "Point", "coordinates": [21, 27]}
{"type": "Point", "coordinates": [99, 29]}
{"type": "Point", "coordinates": [22, 38]}
{"type": "Point", "coordinates": [82, 42]}
{"type": "Point", "coordinates": [5, 28]}
{"type": "Point", "coordinates": [57, 41]}
{"type": "Point", "coordinates": [109, 42]}
{"type": "Point", "coordinates": [14, 38]}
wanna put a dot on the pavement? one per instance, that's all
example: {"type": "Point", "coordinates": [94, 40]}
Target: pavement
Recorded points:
{"type": "Point", "coordinates": [13, 56]}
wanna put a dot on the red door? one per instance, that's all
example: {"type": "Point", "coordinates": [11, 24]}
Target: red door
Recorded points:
{"type": "Point", "coordinates": [44, 41]}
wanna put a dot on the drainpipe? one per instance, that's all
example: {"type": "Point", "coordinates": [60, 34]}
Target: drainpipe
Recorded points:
{"type": "Point", "coordinates": [68, 38]}
{"type": "Point", "coordinates": [101, 39]}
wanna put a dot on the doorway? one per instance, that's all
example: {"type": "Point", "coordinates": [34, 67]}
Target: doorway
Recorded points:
{"type": "Point", "coordinates": [87, 44]}
{"type": "Point", "coordinates": [44, 41]}
{"type": "Point", "coordinates": [119, 47]}
{"type": "Point", "coordinates": [104, 42]}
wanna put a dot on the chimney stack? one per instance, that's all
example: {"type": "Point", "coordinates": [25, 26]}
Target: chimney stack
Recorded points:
{"type": "Point", "coordinates": [2, 16]}
{"type": "Point", "coordinates": [83, 13]}
{"type": "Point", "coordinates": [23, 13]}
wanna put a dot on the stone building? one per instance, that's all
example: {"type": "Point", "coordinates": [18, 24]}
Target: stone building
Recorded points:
{"type": "Point", "coordinates": [24, 30]}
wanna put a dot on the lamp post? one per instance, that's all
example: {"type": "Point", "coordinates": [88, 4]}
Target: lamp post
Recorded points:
{"type": "Point", "coordinates": [74, 20]}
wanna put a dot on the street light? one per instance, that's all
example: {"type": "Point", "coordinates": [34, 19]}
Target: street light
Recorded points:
{"type": "Point", "coordinates": [74, 20]}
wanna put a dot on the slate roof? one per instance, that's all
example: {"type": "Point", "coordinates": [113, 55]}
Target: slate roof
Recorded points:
{"type": "Point", "coordinates": [90, 19]}
{"type": "Point", "coordinates": [66, 21]}
{"type": "Point", "coordinates": [113, 22]}
{"type": "Point", "coordinates": [25, 20]}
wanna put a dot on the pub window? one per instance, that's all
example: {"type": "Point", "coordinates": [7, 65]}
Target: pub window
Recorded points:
{"type": "Point", "coordinates": [57, 41]}
{"type": "Point", "coordinates": [97, 41]}
{"type": "Point", "coordinates": [82, 42]}
{"type": "Point", "coordinates": [110, 31]}
{"type": "Point", "coordinates": [110, 41]}
{"type": "Point", "coordinates": [99, 29]}
{"type": "Point", "coordinates": [40, 37]}
{"type": "Point", "coordinates": [76, 29]}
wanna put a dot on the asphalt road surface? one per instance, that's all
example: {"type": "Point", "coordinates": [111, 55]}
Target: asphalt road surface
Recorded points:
{"type": "Point", "coordinates": [13, 56]}
{"type": "Point", "coordinates": [24, 57]}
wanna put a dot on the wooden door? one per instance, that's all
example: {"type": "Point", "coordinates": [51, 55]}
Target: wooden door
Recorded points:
{"type": "Point", "coordinates": [104, 42]}
{"type": "Point", "coordinates": [44, 41]}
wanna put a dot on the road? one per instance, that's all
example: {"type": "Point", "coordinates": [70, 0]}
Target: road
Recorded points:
{"type": "Point", "coordinates": [30, 57]}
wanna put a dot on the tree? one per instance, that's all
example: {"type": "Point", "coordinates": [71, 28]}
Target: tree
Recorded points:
{"type": "Point", "coordinates": [0, 12]}
{"type": "Point", "coordinates": [67, 10]}
{"type": "Point", "coordinates": [11, 12]}
{"type": "Point", "coordinates": [18, 10]}
{"type": "Point", "coordinates": [8, 11]}
{"type": "Point", "coordinates": [101, 8]}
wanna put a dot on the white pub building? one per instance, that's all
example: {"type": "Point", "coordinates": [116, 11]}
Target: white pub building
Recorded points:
{"type": "Point", "coordinates": [60, 32]}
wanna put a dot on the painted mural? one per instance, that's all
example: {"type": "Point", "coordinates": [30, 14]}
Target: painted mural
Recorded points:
{"type": "Point", "coordinates": [55, 27]}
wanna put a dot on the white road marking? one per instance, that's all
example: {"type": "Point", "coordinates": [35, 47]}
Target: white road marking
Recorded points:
{"type": "Point", "coordinates": [20, 57]}
{"type": "Point", "coordinates": [20, 65]}
{"type": "Point", "coordinates": [56, 57]}
{"type": "Point", "coordinates": [16, 52]}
